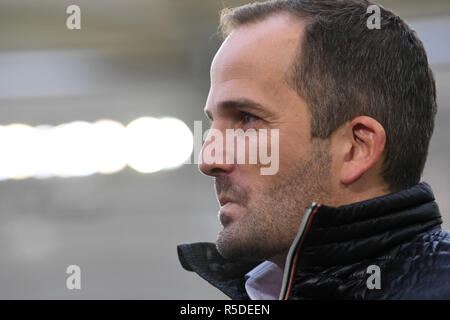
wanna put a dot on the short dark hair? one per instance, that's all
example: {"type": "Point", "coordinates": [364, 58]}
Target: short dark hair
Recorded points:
{"type": "Point", "coordinates": [345, 70]}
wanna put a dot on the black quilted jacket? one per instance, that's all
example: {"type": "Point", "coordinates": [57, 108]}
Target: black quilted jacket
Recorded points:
{"type": "Point", "coordinates": [329, 259]}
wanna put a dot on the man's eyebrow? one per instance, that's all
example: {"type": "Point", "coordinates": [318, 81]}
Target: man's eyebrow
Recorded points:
{"type": "Point", "coordinates": [245, 104]}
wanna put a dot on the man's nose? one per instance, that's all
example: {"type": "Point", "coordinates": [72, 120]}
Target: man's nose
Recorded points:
{"type": "Point", "coordinates": [215, 158]}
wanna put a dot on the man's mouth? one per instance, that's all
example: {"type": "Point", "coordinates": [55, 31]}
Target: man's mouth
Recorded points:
{"type": "Point", "coordinates": [225, 200]}
{"type": "Point", "coordinates": [224, 219]}
{"type": "Point", "coordinates": [229, 211]}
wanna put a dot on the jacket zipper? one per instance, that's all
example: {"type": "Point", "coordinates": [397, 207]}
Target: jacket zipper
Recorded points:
{"type": "Point", "coordinates": [292, 257]}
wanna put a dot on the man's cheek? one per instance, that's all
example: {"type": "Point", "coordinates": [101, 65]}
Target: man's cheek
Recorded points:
{"type": "Point", "coordinates": [269, 151]}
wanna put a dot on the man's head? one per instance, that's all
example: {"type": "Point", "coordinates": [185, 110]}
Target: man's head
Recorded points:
{"type": "Point", "coordinates": [354, 108]}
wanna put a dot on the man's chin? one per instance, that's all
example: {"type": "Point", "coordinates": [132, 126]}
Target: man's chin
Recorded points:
{"type": "Point", "coordinates": [233, 247]}
{"type": "Point", "coordinates": [228, 245]}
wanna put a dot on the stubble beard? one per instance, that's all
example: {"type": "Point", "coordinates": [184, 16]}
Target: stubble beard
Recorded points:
{"type": "Point", "coordinates": [273, 215]}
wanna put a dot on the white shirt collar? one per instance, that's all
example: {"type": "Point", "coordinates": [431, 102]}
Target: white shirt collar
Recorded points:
{"type": "Point", "coordinates": [264, 282]}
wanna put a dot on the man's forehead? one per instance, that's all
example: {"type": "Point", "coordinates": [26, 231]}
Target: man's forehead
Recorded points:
{"type": "Point", "coordinates": [266, 46]}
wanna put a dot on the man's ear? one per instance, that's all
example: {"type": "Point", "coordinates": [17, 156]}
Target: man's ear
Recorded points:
{"type": "Point", "coordinates": [365, 139]}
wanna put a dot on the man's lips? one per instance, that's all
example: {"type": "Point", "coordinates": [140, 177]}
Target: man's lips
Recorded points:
{"type": "Point", "coordinates": [229, 211]}
{"type": "Point", "coordinates": [224, 200]}
{"type": "Point", "coordinates": [228, 205]}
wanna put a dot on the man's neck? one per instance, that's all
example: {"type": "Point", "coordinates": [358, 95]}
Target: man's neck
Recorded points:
{"type": "Point", "coordinates": [279, 260]}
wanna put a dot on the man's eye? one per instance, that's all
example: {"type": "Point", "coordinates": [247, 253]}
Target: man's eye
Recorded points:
{"type": "Point", "coordinates": [247, 117]}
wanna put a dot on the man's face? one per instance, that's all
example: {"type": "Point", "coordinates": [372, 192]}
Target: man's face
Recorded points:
{"type": "Point", "coordinates": [260, 214]}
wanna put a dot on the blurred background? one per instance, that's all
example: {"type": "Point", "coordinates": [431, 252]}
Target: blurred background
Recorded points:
{"type": "Point", "coordinates": [132, 61]}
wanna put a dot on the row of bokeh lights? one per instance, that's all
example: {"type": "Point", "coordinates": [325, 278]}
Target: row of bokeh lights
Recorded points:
{"type": "Point", "coordinates": [81, 148]}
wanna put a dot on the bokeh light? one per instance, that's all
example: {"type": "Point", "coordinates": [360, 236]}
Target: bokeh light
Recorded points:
{"type": "Point", "coordinates": [81, 148]}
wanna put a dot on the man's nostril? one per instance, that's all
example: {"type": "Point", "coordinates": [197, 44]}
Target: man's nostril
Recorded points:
{"type": "Point", "coordinates": [217, 170]}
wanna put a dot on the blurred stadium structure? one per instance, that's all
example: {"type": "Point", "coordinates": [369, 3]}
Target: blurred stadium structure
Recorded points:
{"type": "Point", "coordinates": [133, 59]}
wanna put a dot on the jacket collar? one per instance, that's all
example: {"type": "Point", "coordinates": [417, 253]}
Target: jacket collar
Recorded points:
{"type": "Point", "coordinates": [350, 233]}
{"type": "Point", "coordinates": [227, 276]}
{"type": "Point", "coordinates": [329, 236]}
